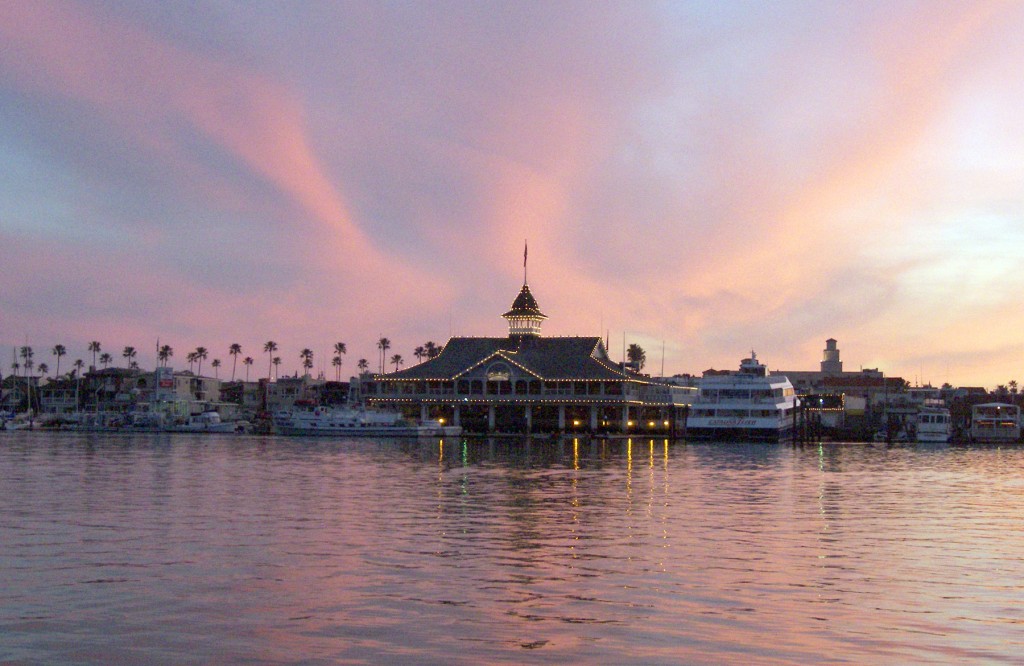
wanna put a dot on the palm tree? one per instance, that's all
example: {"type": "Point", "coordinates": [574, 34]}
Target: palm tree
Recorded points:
{"type": "Point", "coordinates": [94, 347]}
{"type": "Point", "coordinates": [234, 350]}
{"type": "Point", "coordinates": [339, 350]}
{"type": "Point", "coordinates": [43, 369]}
{"type": "Point", "coordinates": [164, 354]}
{"type": "Point", "coordinates": [201, 355]}
{"type": "Point", "coordinates": [420, 353]}
{"type": "Point", "coordinates": [247, 361]}
{"type": "Point", "coordinates": [216, 364]}
{"type": "Point", "coordinates": [383, 345]}
{"type": "Point", "coordinates": [130, 353]}
{"type": "Point", "coordinates": [270, 347]}
{"type": "Point", "coordinates": [276, 362]}
{"type": "Point", "coordinates": [363, 365]}
{"type": "Point", "coordinates": [397, 360]}
{"type": "Point", "coordinates": [336, 362]}
{"type": "Point", "coordinates": [106, 359]}
{"type": "Point", "coordinates": [58, 351]}
{"type": "Point", "coordinates": [26, 354]}
{"type": "Point", "coordinates": [79, 364]}
{"type": "Point", "coordinates": [307, 359]}
{"type": "Point", "coordinates": [636, 355]}
{"type": "Point", "coordinates": [191, 358]}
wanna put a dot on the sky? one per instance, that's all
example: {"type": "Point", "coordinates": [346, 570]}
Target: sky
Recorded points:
{"type": "Point", "coordinates": [698, 178]}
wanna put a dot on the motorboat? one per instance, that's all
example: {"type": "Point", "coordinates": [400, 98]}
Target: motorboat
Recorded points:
{"type": "Point", "coordinates": [357, 422]}
{"type": "Point", "coordinates": [206, 422]}
{"type": "Point", "coordinates": [749, 404]}
{"type": "Point", "coordinates": [933, 425]}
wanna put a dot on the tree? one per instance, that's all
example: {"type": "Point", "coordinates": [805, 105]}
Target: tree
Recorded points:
{"type": "Point", "coordinates": [1013, 386]}
{"type": "Point", "coordinates": [420, 353]}
{"type": "Point", "coordinates": [247, 361]}
{"type": "Point", "coordinates": [26, 354]}
{"type": "Point", "coordinates": [397, 360]}
{"type": "Point", "coordinates": [340, 349]}
{"type": "Point", "coordinates": [336, 362]}
{"type": "Point", "coordinates": [234, 350]}
{"type": "Point", "coordinates": [276, 362]}
{"type": "Point", "coordinates": [216, 364]}
{"type": "Point", "coordinates": [165, 353]}
{"type": "Point", "coordinates": [270, 347]}
{"type": "Point", "coordinates": [43, 369]}
{"type": "Point", "coordinates": [430, 348]}
{"type": "Point", "coordinates": [129, 353]}
{"type": "Point", "coordinates": [636, 355]}
{"type": "Point", "coordinates": [94, 347]}
{"type": "Point", "coordinates": [79, 364]}
{"type": "Point", "coordinates": [191, 358]}
{"type": "Point", "coordinates": [58, 351]}
{"type": "Point", "coordinates": [383, 345]}
{"type": "Point", "coordinates": [201, 354]}
{"type": "Point", "coordinates": [363, 365]}
{"type": "Point", "coordinates": [307, 359]}
{"type": "Point", "coordinates": [106, 359]}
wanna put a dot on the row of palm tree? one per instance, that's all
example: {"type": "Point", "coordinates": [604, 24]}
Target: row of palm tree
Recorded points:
{"type": "Point", "coordinates": [196, 357]}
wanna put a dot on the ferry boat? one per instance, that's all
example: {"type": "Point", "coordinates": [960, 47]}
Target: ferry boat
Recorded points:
{"type": "Point", "coordinates": [751, 404]}
{"type": "Point", "coordinates": [995, 422]}
{"type": "Point", "coordinates": [933, 425]}
{"type": "Point", "coordinates": [348, 422]}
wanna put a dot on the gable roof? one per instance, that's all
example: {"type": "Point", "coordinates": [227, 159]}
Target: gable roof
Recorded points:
{"type": "Point", "coordinates": [561, 358]}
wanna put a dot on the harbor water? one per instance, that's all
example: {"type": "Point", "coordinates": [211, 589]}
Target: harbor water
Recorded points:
{"type": "Point", "coordinates": [176, 548]}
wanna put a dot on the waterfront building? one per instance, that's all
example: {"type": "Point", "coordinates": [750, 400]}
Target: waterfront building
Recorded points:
{"type": "Point", "coordinates": [524, 382]}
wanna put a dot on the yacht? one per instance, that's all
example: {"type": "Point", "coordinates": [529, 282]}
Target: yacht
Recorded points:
{"type": "Point", "coordinates": [349, 422]}
{"type": "Point", "coordinates": [933, 424]}
{"type": "Point", "coordinates": [206, 422]}
{"type": "Point", "coordinates": [751, 404]}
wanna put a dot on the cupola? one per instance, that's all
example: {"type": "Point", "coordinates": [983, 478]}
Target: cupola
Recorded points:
{"type": "Point", "coordinates": [525, 316]}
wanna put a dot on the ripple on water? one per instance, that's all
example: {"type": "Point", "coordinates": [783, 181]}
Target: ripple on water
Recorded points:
{"type": "Point", "coordinates": [164, 549]}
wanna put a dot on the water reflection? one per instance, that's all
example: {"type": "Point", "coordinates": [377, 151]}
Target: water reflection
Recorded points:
{"type": "Point", "coordinates": [164, 549]}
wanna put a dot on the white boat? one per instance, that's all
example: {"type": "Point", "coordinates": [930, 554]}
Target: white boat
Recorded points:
{"type": "Point", "coordinates": [205, 422]}
{"type": "Point", "coordinates": [995, 422]}
{"type": "Point", "coordinates": [933, 424]}
{"type": "Point", "coordinates": [357, 423]}
{"type": "Point", "coordinates": [751, 404]}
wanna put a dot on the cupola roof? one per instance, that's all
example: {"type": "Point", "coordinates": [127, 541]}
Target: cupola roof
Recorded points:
{"type": "Point", "coordinates": [525, 305]}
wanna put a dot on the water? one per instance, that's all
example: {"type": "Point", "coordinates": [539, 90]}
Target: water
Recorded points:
{"type": "Point", "coordinates": [170, 549]}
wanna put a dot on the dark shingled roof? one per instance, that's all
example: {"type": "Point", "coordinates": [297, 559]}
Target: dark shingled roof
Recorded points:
{"type": "Point", "coordinates": [525, 305]}
{"type": "Point", "coordinates": [547, 358]}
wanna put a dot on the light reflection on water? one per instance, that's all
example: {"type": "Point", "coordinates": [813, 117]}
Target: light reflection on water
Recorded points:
{"type": "Point", "coordinates": [169, 549]}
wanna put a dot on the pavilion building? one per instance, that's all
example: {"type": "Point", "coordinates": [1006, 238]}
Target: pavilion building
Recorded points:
{"type": "Point", "coordinates": [524, 382]}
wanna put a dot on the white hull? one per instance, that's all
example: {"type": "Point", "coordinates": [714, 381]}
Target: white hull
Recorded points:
{"type": "Point", "coordinates": [370, 431]}
{"type": "Point", "coordinates": [357, 423]}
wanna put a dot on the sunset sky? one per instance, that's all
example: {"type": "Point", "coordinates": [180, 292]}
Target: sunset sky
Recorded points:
{"type": "Point", "coordinates": [712, 177]}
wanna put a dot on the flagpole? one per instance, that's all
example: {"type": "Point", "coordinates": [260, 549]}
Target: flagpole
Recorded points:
{"type": "Point", "coordinates": [524, 260]}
